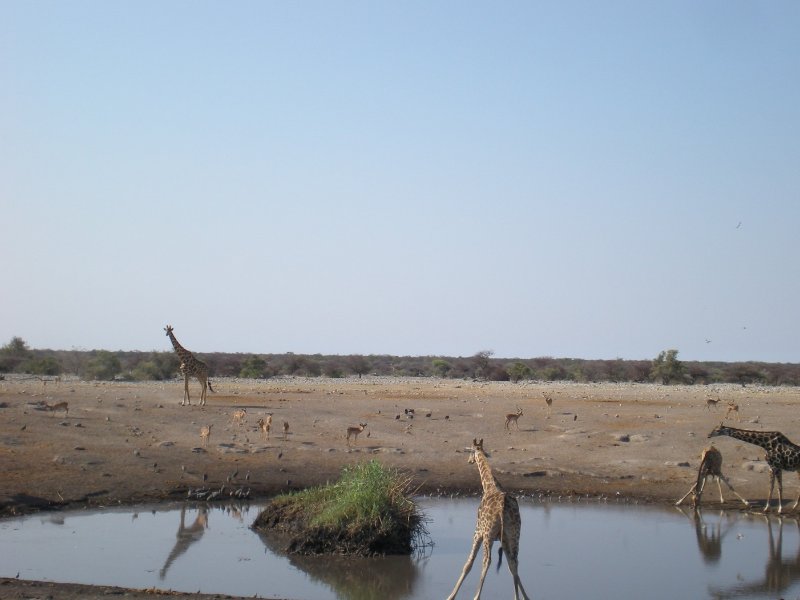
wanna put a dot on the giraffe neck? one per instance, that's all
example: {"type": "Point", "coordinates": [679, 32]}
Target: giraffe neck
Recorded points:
{"type": "Point", "coordinates": [182, 352]}
{"type": "Point", "coordinates": [752, 437]}
{"type": "Point", "coordinates": [485, 471]}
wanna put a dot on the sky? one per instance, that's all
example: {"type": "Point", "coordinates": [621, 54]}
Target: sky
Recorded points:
{"type": "Point", "coordinates": [590, 180]}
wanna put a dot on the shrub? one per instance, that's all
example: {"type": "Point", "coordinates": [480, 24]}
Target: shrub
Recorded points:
{"type": "Point", "coordinates": [367, 512]}
{"type": "Point", "coordinates": [254, 367]}
{"type": "Point", "coordinates": [104, 365]}
{"type": "Point", "coordinates": [667, 368]}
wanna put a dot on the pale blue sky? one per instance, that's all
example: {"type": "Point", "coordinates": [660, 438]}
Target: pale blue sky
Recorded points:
{"type": "Point", "coordinates": [569, 179]}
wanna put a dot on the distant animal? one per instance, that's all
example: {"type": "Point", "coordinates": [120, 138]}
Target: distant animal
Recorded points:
{"type": "Point", "coordinates": [58, 406]}
{"type": "Point", "coordinates": [513, 418]}
{"type": "Point", "coordinates": [549, 401]}
{"type": "Point", "coordinates": [190, 367]}
{"type": "Point", "coordinates": [285, 429]}
{"type": "Point", "coordinates": [240, 416]}
{"type": "Point", "coordinates": [264, 426]}
{"type": "Point", "coordinates": [710, 466]}
{"type": "Point", "coordinates": [354, 430]}
{"type": "Point", "coordinates": [711, 402]}
{"type": "Point", "coordinates": [733, 408]}
{"type": "Point", "coordinates": [205, 433]}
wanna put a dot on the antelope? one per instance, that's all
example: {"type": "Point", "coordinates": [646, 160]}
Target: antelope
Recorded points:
{"type": "Point", "coordinates": [59, 406]}
{"type": "Point", "coordinates": [354, 430]}
{"type": "Point", "coordinates": [264, 426]}
{"type": "Point", "coordinates": [711, 402]}
{"type": "Point", "coordinates": [205, 433]}
{"type": "Point", "coordinates": [285, 430]}
{"type": "Point", "coordinates": [549, 401]}
{"type": "Point", "coordinates": [513, 418]}
{"type": "Point", "coordinates": [733, 408]}
{"type": "Point", "coordinates": [239, 416]}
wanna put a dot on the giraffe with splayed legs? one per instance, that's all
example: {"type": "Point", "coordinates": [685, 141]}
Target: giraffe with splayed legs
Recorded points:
{"type": "Point", "coordinates": [190, 367]}
{"type": "Point", "coordinates": [710, 466]}
{"type": "Point", "coordinates": [498, 519]}
{"type": "Point", "coordinates": [781, 455]}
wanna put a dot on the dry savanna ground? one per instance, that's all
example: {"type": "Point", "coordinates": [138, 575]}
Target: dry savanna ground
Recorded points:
{"type": "Point", "coordinates": [132, 442]}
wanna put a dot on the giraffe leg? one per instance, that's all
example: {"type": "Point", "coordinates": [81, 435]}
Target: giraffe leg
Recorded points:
{"type": "Point", "coordinates": [186, 397]}
{"type": "Point", "coordinates": [691, 489]}
{"type": "Point", "coordinates": [467, 566]}
{"type": "Point", "coordinates": [719, 487]}
{"type": "Point", "coordinates": [771, 487]}
{"type": "Point", "coordinates": [794, 506]}
{"type": "Point", "coordinates": [698, 495]}
{"type": "Point", "coordinates": [487, 561]}
{"type": "Point", "coordinates": [512, 554]}
{"type": "Point", "coordinates": [779, 477]}
{"type": "Point", "coordinates": [730, 487]}
{"type": "Point", "coordinates": [204, 381]}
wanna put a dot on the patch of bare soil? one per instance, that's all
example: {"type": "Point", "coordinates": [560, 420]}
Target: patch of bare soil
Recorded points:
{"type": "Point", "coordinates": [125, 443]}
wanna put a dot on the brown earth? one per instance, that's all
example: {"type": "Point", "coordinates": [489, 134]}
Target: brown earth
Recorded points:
{"type": "Point", "coordinates": [125, 443]}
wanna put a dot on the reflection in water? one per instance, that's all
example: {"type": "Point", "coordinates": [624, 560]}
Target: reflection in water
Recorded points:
{"type": "Point", "coordinates": [779, 575]}
{"type": "Point", "coordinates": [709, 537]}
{"type": "Point", "coordinates": [186, 536]}
{"type": "Point", "coordinates": [390, 577]}
{"type": "Point", "coordinates": [625, 552]}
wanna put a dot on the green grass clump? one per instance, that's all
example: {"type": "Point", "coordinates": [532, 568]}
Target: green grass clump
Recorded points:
{"type": "Point", "coordinates": [369, 510]}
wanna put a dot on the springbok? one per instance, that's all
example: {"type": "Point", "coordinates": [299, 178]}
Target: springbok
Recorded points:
{"type": "Point", "coordinates": [513, 418]}
{"type": "Point", "coordinates": [354, 430]}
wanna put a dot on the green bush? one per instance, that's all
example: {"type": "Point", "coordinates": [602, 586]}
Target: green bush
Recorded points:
{"type": "Point", "coordinates": [368, 511]}
{"type": "Point", "coordinates": [104, 366]}
{"type": "Point", "coordinates": [254, 367]}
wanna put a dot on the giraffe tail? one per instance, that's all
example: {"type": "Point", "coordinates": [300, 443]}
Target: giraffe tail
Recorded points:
{"type": "Point", "coordinates": [500, 556]}
{"type": "Point", "coordinates": [210, 388]}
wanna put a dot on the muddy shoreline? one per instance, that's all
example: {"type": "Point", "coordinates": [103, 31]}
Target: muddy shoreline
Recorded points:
{"type": "Point", "coordinates": [132, 443]}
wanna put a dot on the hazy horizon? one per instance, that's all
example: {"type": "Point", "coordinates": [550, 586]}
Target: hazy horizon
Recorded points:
{"type": "Point", "coordinates": [573, 179]}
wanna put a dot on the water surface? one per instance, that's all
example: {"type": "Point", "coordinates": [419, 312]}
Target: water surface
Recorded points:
{"type": "Point", "coordinates": [566, 551]}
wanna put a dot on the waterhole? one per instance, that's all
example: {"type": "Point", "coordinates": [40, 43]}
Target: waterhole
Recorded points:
{"type": "Point", "coordinates": [567, 550]}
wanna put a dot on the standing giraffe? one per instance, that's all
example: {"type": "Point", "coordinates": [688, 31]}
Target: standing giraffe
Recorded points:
{"type": "Point", "coordinates": [710, 466]}
{"type": "Point", "coordinates": [498, 519]}
{"type": "Point", "coordinates": [781, 455]}
{"type": "Point", "coordinates": [190, 367]}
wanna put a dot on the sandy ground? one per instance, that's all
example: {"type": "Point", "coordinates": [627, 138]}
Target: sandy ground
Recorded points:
{"type": "Point", "coordinates": [124, 443]}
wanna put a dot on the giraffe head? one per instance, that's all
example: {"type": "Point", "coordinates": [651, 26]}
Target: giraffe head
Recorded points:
{"type": "Point", "coordinates": [168, 329]}
{"type": "Point", "coordinates": [720, 430]}
{"type": "Point", "coordinates": [477, 446]}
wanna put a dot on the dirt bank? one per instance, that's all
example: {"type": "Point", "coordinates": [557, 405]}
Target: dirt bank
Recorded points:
{"type": "Point", "coordinates": [123, 443]}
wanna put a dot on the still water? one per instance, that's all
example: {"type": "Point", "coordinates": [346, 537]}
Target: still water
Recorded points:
{"type": "Point", "coordinates": [566, 551]}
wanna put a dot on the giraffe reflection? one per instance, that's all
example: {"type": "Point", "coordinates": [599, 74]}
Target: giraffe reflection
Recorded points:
{"type": "Point", "coordinates": [186, 536]}
{"type": "Point", "coordinates": [779, 574]}
{"type": "Point", "coordinates": [709, 537]}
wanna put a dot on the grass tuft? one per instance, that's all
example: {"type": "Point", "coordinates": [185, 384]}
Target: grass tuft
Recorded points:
{"type": "Point", "coordinates": [369, 510]}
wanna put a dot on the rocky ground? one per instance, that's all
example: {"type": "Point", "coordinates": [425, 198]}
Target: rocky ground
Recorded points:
{"type": "Point", "coordinates": [124, 443]}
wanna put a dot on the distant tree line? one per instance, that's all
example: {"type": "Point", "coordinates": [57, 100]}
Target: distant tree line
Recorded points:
{"type": "Point", "coordinates": [17, 357]}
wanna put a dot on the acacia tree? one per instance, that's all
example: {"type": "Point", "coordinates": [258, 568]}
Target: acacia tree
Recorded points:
{"type": "Point", "coordinates": [668, 368]}
{"type": "Point", "coordinates": [481, 364]}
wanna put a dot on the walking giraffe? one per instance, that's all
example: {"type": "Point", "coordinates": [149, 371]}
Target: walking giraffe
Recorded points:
{"type": "Point", "coordinates": [710, 466]}
{"type": "Point", "coordinates": [781, 455]}
{"type": "Point", "coordinates": [498, 519]}
{"type": "Point", "coordinates": [190, 367]}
